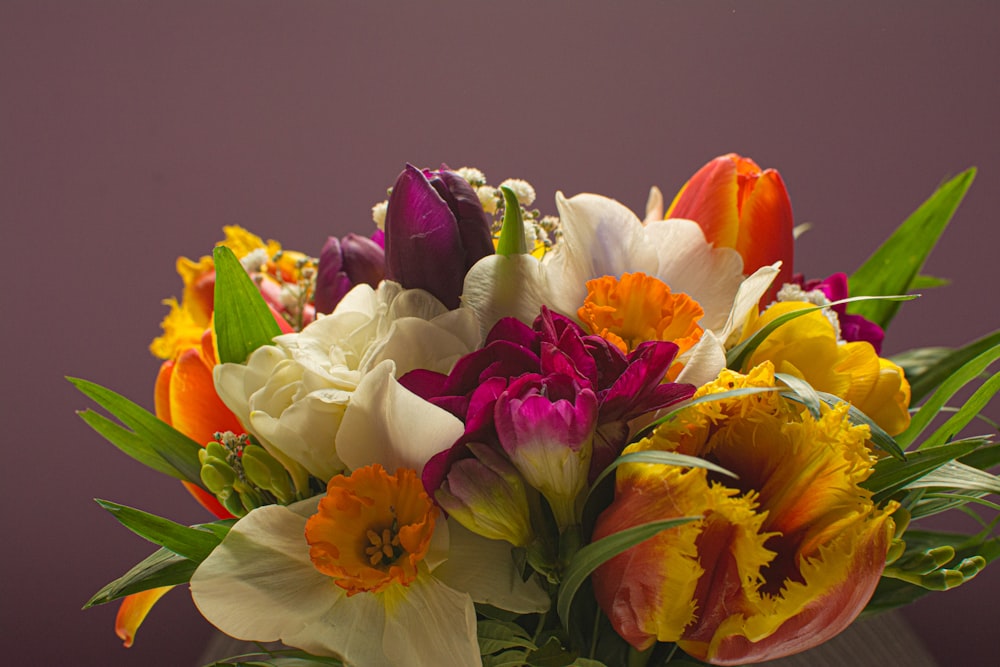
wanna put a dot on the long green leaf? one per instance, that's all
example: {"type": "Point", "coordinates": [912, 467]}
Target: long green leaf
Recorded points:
{"type": "Point", "coordinates": [956, 475]}
{"type": "Point", "coordinates": [892, 475]}
{"type": "Point", "coordinates": [942, 363]}
{"type": "Point", "coordinates": [190, 542]}
{"type": "Point", "coordinates": [243, 322]}
{"type": "Point", "coordinates": [879, 437]}
{"type": "Point", "coordinates": [162, 568]}
{"type": "Point", "coordinates": [895, 265]}
{"type": "Point", "coordinates": [965, 414]}
{"type": "Point", "coordinates": [151, 441]}
{"type": "Point", "coordinates": [590, 557]}
{"type": "Point", "coordinates": [966, 373]}
{"type": "Point", "coordinates": [738, 355]}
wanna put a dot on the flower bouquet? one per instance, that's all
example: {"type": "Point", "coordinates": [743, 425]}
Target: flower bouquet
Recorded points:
{"type": "Point", "coordinates": [484, 435]}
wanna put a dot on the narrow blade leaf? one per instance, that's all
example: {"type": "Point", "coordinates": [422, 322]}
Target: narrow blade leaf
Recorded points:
{"type": "Point", "coordinates": [243, 322]}
{"type": "Point", "coordinates": [941, 363]}
{"type": "Point", "coordinates": [190, 542]}
{"type": "Point", "coordinates": [151, 441]}
{"type": "Point", "coordinates": [892, 475]}
{"type": "Point", "coordinates": [511, 241]}
{"type": "Point", "coordinates": [162, 568]}
{"type": "Point", "coordinates": [895, 265]}
{"type": "Point", "coordinates": [590, 557]}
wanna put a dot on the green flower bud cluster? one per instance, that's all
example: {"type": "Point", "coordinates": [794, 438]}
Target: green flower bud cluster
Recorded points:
{"type": "Point", "coordinates": [242, 475]}
{"type": "Point", "coordinates": [926, 568]}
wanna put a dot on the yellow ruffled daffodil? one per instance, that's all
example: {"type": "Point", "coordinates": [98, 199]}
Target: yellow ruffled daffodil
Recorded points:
{"type": "Point", "coordinates": [807, 347]}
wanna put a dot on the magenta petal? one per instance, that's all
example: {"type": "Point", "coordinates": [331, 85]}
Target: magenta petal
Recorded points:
{"type": "Point", "coordinates": [364, 260]}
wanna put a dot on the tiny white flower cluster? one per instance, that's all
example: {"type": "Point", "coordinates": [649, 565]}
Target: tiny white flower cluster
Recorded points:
{"type": "Point", "coordinates": [793, 292]}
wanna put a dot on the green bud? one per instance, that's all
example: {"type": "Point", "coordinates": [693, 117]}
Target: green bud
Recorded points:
{"type": "Point", "coordinates": [266, 472]}
{"type": "Point", "coordinates": [231, 501]}
{"type": "Point", "coordinates": [896, 549]}
{"type": "Point", "coordinates": [217, 475]}
{"type": "Point", "coordinates": [925, 562]}
{"type": "Point", "coordinates": [214, 450]}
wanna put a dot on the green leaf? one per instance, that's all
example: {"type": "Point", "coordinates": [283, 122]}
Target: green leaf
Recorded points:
{"type": "Point", "coordinates": [961, 376]}
{"type": "Point", "coordinates": [923, 282]}
{"type": "Point", "coordinates": [496, 636]}
{"type": "Point", "coordinates": [926, 369]}
{"type": "Point", "coordinates": [956, 475]}
{"type": "Point", "coordinates": [659, 458]}
{"type": "Point", "coordinates": [151, 441]}
{"type": "Point", "coordinates": [738, 355]}
{"type": "Point", "coordinates": [892, 475]}
{"type": "Point", "coordinates": [969, 411]}
{"type": "Point", "coordinates": [895, 265]}
{"type": "Point", "coordinates": [513, 658]}
{"type": "Point", "coordinates": [162, 568]}
{"type": "Point", "coordinates": [591, 556]}
{"type": "Point", "coordinates": [192, 543]}
{"type": "Point", "coordinates": [803, 391]}
{"type": "Point", "coordinates": [511, 241]}
{"type": "Point", "coordinates": [243, 322]}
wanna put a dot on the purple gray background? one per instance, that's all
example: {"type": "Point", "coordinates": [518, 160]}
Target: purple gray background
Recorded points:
{"type": "Point", "coordinates": [130, 132]}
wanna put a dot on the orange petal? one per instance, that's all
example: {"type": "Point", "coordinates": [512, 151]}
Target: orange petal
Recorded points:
{"type": "Point", "coordinates": [133, 610]}
{"type": "Point", "coordinates": [709, 198]}
{"type": "Point", "coordinates": [195, 409]}
{"type": "Point", "coordinates": [765, 229]}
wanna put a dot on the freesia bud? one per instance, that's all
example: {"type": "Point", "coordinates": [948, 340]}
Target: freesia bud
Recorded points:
{"type": "Point", "coordinates": [487, 495]}
{"type": "Point", "coordinates": [435, 230]}
{"type": "Point", "coordinates": [344, 263]}
{"type": "Point", "coordinates": [546, 426]}
{"type": "Point", "coordinates": [740, 206]}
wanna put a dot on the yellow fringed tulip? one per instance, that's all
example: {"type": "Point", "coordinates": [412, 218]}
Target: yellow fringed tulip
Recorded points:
{"type": "Point", "coordinates": [783, 558]}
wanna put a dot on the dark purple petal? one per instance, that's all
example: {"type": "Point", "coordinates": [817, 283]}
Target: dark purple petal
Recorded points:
{"type": "Point", "coordinates": [331, 281]}
{"type": "Point", "coordinates": [473, 222]}
{"type": "Point", "coordinates": [423, 245]}
{"type": "Point", "coordinates": [364, 260]}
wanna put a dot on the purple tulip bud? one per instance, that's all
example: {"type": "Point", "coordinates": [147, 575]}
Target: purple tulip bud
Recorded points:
{"type": "Point", "coordinates": [343, 264]}
{"type": "Point", "coordinates": [435, 230]}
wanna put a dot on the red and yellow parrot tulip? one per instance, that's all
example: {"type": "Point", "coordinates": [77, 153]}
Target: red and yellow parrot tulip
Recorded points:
{"type": "Point", "coordinates": [784, 556]}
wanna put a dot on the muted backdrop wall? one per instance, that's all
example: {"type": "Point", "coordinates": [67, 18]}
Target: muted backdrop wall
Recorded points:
{"type": "Point", "coordinates": [130, 132]}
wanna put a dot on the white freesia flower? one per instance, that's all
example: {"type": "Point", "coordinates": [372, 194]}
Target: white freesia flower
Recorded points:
{"type": "Point", "coordinates": [602, 237]}
{"type": "Point", "coordinates": [292, 395]}
{"type": "Point", "coordinates": [268, 580]}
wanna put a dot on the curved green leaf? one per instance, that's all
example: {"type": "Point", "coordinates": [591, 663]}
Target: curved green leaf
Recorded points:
{"type": "Point", "coordinates": [243, 321]}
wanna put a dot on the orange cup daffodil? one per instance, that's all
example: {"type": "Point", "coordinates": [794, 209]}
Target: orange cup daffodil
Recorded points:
{"type": "Point", "coordinates": [808, 348]}
{"type": "Point", "coordinates": [738, 205]}
{"type": "Point", "coordinates": [782, 558]}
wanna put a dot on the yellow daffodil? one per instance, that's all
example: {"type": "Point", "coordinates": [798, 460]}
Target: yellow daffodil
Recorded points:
{"type": "Point", "coordinates": [783, 557]}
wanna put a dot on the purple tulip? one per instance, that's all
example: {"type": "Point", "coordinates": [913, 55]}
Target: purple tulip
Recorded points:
{"type": "Point", "coordinates": [435, 230]}
{"type": "Point", "coordinates": [345, 263]}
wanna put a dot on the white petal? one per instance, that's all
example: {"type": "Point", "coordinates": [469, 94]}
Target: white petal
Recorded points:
{"type": "Point", "coordinates": [485, 570]}
{"type": "Point", "coordinates": [306, 431]}
{"type": "Point", "coordinates": [235, 383]}
{"type": "Point", "coordinates": [749, 294]}
{"type": "Point", "coordinates": [412, 343]}
{"type": "Point", "coordinates": [388, 424]}
{"type": "Point", "coordinates": [429, 625]}
{"type": "Point", "coordinates": [601, 237]}
{"type": "Point", "coordinates": [654, 205]}
{"type": "Point", "coordinates": [688, 263]}
{"type": "Point", "coordinates": [498, 286]}
{"type": "Point", "coordinates": [704, 361]}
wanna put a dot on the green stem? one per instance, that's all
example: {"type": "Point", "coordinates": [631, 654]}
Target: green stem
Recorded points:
{"type": "Point", "coordinates": [638, 658]}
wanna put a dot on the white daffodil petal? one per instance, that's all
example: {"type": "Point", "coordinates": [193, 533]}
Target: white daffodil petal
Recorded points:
{"type": "Point", "coordinates": [704, 361]}
{"type": "Point", "coordinates": [388, 424]}
{"type": "Point", "coordinates": [427, 624]}
{"type": "Point", "coordinates": [749, 294]}
{"type": "Point", "coordinates": [485, 570]}
{"type": "Point", "coordinates": [259, 583]}
{"type": "Point", "coordinates": [689, 264]}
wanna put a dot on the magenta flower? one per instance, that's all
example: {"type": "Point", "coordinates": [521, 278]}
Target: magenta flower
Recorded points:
{"type": "Point", "coordinates": [435, 230]}
{"type": "Point", "coordinates": [852, 327]}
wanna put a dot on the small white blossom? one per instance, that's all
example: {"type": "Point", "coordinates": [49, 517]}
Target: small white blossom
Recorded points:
{"type": "Point", "coordinates": [378, 214]}
{"type": "Point", "coordinates": [488, 198]}
{"type": "Point", "coordinates": [522, 190]}
{"type": "Point", "coordinates": [254, 260]}
{"type": "Point", "coordinates": [793, 292]}
{"type": "Point", "coordinates": [475, 177]}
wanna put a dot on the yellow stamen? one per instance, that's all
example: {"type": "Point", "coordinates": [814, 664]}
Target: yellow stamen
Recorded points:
{"type": "Point", "coordinates": [638, 308]}
{"type": "Point", "coordinates": [372, 529]}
